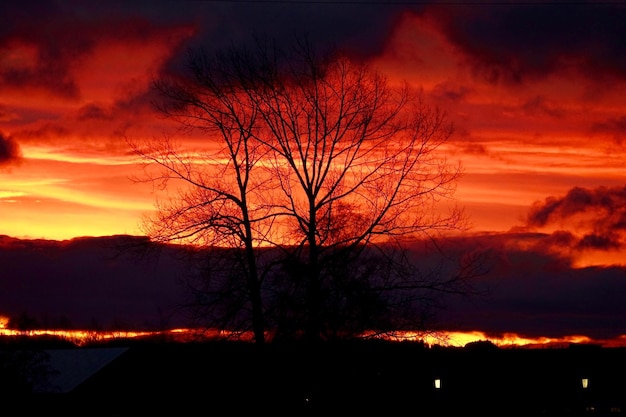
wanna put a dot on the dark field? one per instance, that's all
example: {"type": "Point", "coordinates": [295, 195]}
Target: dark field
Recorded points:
{"type": "Point", "coordinates": [356, 378]}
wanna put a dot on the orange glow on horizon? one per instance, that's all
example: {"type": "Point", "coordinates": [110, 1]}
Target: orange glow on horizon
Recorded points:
{"type": "Point", "coordinates": [445, 339]}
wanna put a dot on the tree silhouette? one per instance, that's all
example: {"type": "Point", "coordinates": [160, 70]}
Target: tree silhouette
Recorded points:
{"type": "Point", "coordinates": [24, 322]}
{"type": "Point", "coordinates": [214, 211]}
{"type": "Point", "coordinates": [321, 174]}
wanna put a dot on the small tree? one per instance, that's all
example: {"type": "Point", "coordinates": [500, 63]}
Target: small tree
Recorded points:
{"type": "Point", "coordinates": [318, 158]}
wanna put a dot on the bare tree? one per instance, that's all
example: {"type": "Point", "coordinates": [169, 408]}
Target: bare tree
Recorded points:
{"type": "Point", "coordinates": [322, 160]}
{"type": "Point", "coordinates": [220, 202]}
{"type": "Point", "coordinates": [357, 162]}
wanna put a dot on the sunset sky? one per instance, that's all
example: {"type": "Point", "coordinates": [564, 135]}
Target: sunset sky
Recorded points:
{"type": "Point", "coordinates": [536, 91]}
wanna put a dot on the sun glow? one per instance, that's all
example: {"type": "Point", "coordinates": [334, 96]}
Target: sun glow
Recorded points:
{"type": "Point", "coordinates": [443, 338]}
{"type": "Point", "coordinates": [507, 340]}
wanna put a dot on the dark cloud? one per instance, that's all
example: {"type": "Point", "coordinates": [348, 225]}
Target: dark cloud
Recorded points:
{"type": "Point", "coordinates": [514, 42]}
{"type": "Point", "coordinates": [53, 37]}
{"type": "Point", "coordinates": [521, 289]}
{"type": "Point", "coordinates": [450, 91]}
{"type": "Point", "coordinates": [475, 149]}
{"type": "Point", "coordinates": [94, 111]}
{"type": "Point", "coordinates": [594, 241]}
{"type": "Point", "coordinates": [501, 41]}
{"type": "Point", "coordinates": [615, 128]}
{"type": "Point", "coordinates": [10, 152]}
{"type": "Point", "coordinates": [599, 214]}
{"type": "Point", "coordinates": [57, 36]}
{"type": "Point", "coordinates": [50, 131]}
{"type": "Point", "coordinates": [540, 303]}
{"type": "Point", "coordinates": [578, 200]}
{"type": "Point", "coordinates": [93, 120]}
{"type": "Point", "coordinates": [90, 280]}
{"type": "Point", "coordinates": [360, 27]}
{"type": "Point", "coordinates": [560, 238]}
{"type": "Point", "coordinates": [536, 292]}
{"type": "Point", "coordinates": [540, 105]}
{"type": "Point", "coordinates": [53, 42]}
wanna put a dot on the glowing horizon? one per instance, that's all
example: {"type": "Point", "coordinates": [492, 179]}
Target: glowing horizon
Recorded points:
{"type": "Point", "coordinates": [442, 338]}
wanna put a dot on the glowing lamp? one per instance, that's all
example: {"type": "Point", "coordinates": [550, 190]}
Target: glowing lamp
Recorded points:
{"type": "Point", "coordinates": [437, 383]}
{"type": "Point", "coordinates": [585, 382]}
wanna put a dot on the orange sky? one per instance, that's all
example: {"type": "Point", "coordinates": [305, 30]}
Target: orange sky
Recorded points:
{"type": "Point", "coordinates": [537, 94]}
{"type": "Point", "coordinates": [519, 142]}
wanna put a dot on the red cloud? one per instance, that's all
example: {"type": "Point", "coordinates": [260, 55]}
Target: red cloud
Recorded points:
{"type": "Point", "coordinates": [43, 54]}
{"type": "Point", "coordinates": [614, 127]}
{"type": "Point", "coordinates": [516, 42]}
{"type": "Point", "coordinates": [9, 150]}
{"type": "Point", "coordinates": [598, 214]}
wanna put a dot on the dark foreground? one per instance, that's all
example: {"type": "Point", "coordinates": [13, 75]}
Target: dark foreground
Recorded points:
{"type": "Point", "coordinates": [230, 379]}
